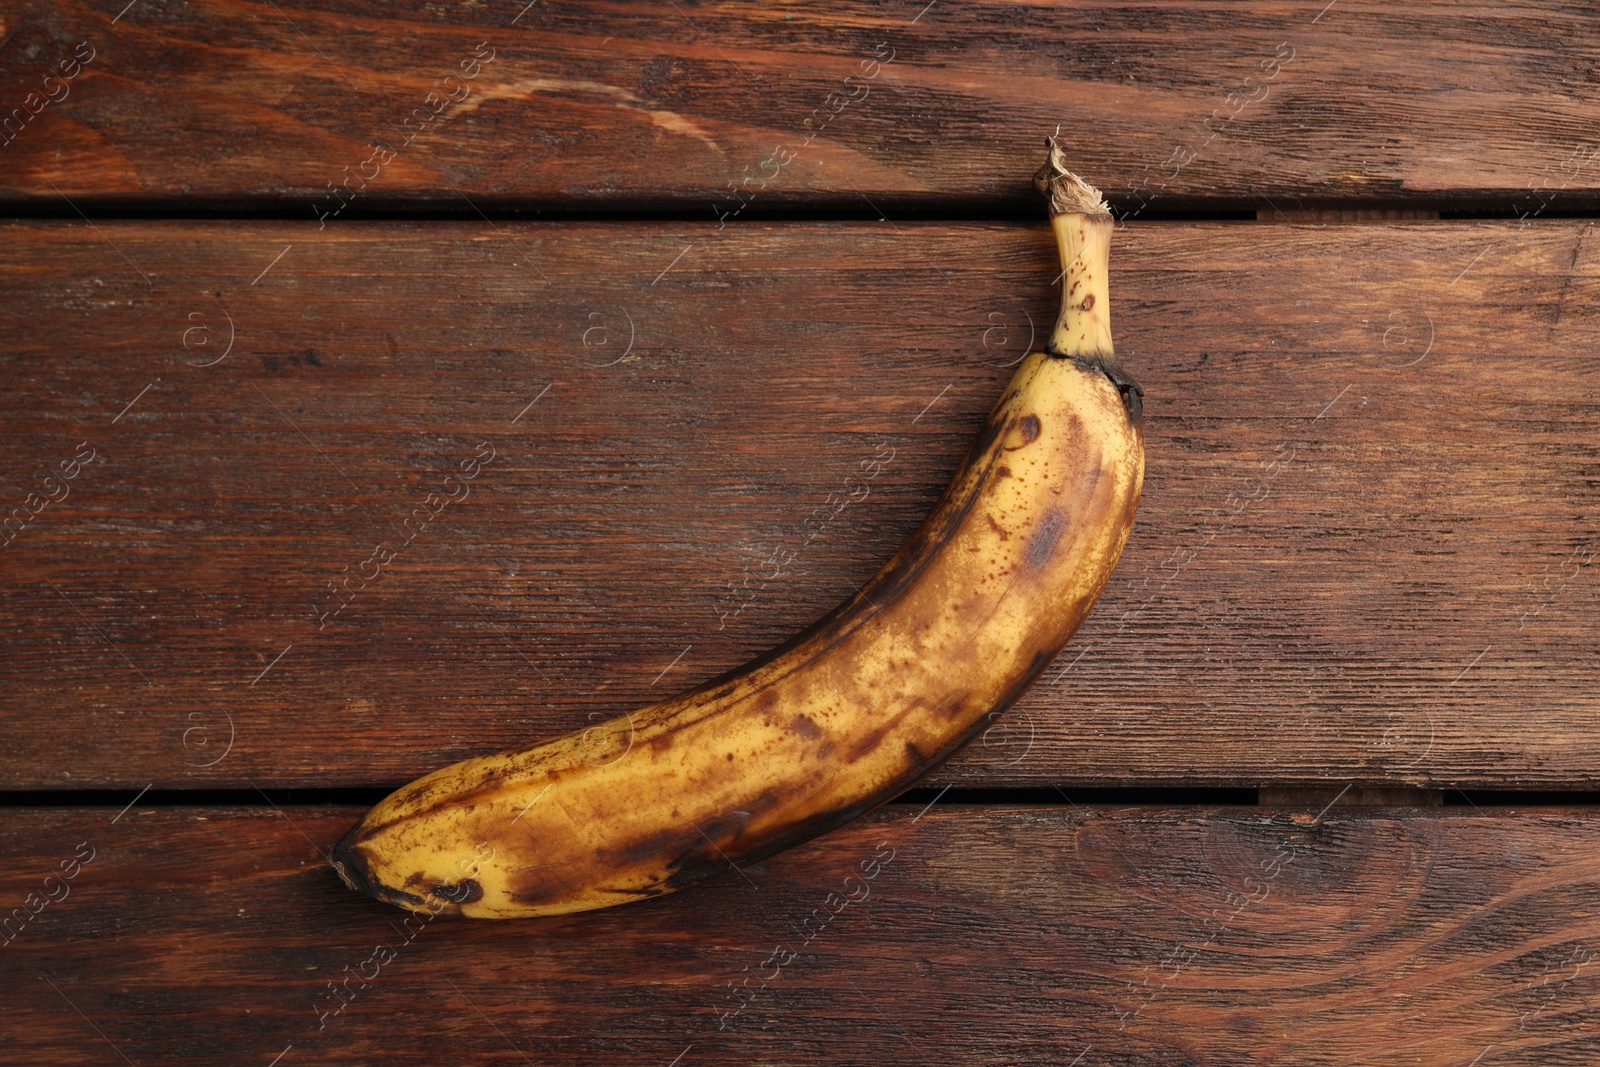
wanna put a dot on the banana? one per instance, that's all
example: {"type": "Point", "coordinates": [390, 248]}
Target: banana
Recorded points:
{"type": "Point", "coordinates": [845, 715]}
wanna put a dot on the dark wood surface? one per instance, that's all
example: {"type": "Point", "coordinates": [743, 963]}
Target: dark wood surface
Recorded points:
{"type": "Point", "coordinates": [1364, 552]}
{"type": "Point", "coordinates": [1206, 936]}
{"type": "Point", "coordinates": [705, 106]}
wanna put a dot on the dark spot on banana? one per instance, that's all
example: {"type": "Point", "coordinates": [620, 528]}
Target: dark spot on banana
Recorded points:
{"type": "Point", "coordinates": [668, 842]}
{"type": "Point", "coordinates": [873, 738]}
{"type": "Point", "coordinates": [1002, 472]}
{"type": "Point", "coordinates": [724, 829]}
{"type": "Point", "coordinates": [400, 898]}
{"type": "Point", "coordinates": [1087, 302]}
{"type": "Point", "coordinates": [1000, 531]}
{"type": "Point", "coordinates": [1028, 429]}
{"type": "Point", "coordinates": [691, 869]}
{"type": "Point", "coordinates": [755, 850]}
{"type": "Point", "coordinates": [541, 884]}
{"type": "Point", "coordinates": [466, 891]}
{"type": "Point", "coordinates": [807, 729]}
{"type": "Point", "coordinates": [1131, 392]}
{"type": "Point", "coordinates": [642, 892]}
{"type": "Point", "coordinates": [685, 865]}
{"type": "Point", "coordinates": [1042, 542]}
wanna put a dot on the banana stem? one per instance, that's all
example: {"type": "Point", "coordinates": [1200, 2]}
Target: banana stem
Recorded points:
{"type": "Point", "coordinates": [1083, 224]}
{"type": "Point", "coordinates": [1083, 328]}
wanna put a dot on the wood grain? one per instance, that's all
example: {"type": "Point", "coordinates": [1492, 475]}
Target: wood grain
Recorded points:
{"type": "Point", "coordinates": [226, 105]}
{"type": "Point", "coordinates": [1365, 551]}
{"type": "Point", "coordinates": [1008, 936]}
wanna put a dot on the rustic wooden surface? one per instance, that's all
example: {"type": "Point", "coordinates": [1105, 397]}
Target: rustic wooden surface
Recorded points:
{"type": "Point", "coordinates": [1206, 936]}
{"type": "Point", "coordinates": [723, 109]}
{"type": "Point", "coordinates": [1361, 579]}
{"type": "Point", "coordinates": [1363, 553]}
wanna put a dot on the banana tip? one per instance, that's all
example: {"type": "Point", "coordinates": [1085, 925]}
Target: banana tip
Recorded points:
{"type": "Point", "coordinates": [352, 867]}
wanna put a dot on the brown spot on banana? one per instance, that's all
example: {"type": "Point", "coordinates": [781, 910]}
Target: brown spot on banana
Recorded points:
{"type": "Point", "coordinates": [465, 891]}
{"type": "Point", "coordinates": [1042, 542]}
{"type": "Point", "coordinates": [1028, 432]}
{"type": "Point", "coordinates": [893, 681]}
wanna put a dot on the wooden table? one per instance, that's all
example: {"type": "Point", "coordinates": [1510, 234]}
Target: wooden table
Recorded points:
{"type": "Point", "coordinates": [1314, 785]}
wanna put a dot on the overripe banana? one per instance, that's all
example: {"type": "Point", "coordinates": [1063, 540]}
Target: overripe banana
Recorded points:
{"type": "Point", "coordinates": [842, 717]}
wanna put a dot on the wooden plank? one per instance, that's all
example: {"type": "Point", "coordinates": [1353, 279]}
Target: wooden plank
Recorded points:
{"type": "Point", "coordinates": [222, 103]}
{"type": "Point", "coordinates": [984, 935]}
{"type": "Point", "coordinates": [1364, 553]}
